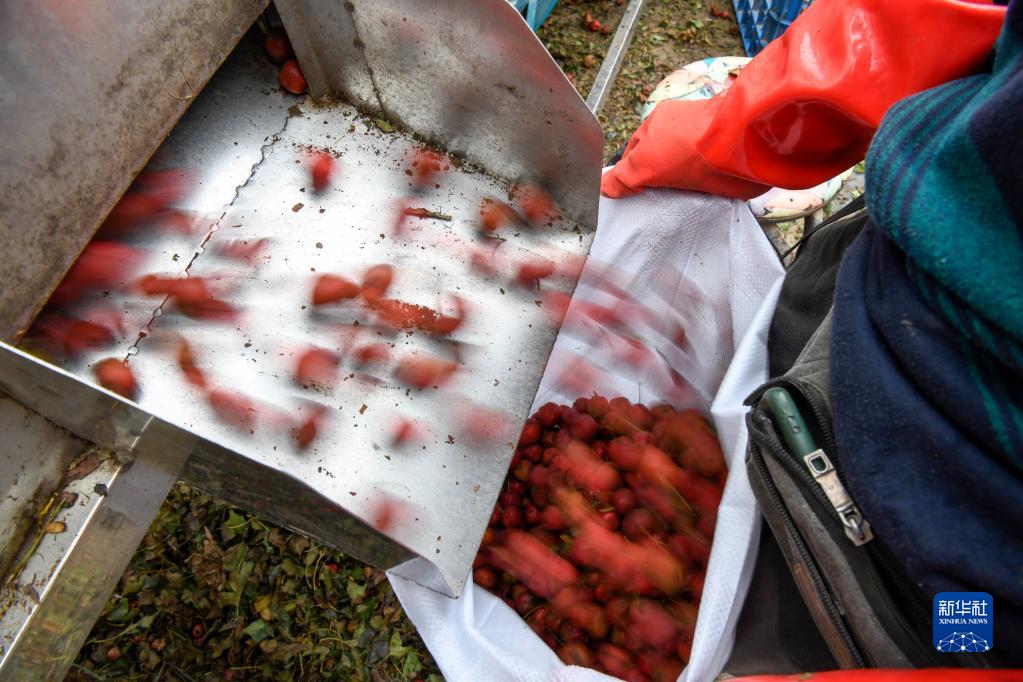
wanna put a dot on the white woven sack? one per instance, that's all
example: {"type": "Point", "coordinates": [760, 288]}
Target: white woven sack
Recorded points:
{"type": "Point", "coordinates": [698, 261]}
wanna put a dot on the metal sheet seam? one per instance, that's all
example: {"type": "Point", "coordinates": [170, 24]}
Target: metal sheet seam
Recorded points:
{"type": "Point", "coordinates": [350, 8]}
{"type": "Point", "coordinates": [147, 328]}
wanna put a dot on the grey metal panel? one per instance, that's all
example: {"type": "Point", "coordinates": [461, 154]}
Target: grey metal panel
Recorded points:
{"type": "Point", "coordinates": [88, 90]}
{"type": "Point", "coordinates": [50, 606]}
{"type": "Point", "coordinates": [216, 145]}
{"type": "Point", "coordinates": [325, 41]}
{"type": "Point", "coordinates": [444, 490]}
{"type": "Point", "coordinates": [249, 190]}
{"type": "Point", "coordinates": [467, 74]}
{"type": "Point", "coordinates": [72, 403]}
{"type": "Point", "coordinates": [33, 456]}
{"type": "Point", "coordinates": [40, 567]}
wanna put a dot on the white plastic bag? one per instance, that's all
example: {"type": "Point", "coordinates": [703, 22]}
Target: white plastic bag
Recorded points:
{"type": "Point", "coordinates": [704, 265]}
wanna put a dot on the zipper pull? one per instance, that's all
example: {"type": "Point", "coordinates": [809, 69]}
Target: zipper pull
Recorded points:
{"type": "Point", "coordinates": [799, 439]}
{"type": "Point", "coordinates": [823, 471]}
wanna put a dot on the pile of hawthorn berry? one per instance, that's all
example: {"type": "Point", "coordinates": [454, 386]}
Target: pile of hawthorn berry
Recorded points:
{"type": "Point", "coordinates": [601, 536]}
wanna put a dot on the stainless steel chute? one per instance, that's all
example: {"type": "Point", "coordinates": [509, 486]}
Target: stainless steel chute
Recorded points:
{"type": "Point", "coordinates": [388, 76]}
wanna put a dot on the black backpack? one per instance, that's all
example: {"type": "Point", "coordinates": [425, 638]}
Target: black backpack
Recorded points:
{"type": "Point", "coordinates": [824, 594]}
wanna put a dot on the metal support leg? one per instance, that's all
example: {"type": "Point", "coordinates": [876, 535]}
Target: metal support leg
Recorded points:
{"type": "Point", "coordinates": [615, 56]}
{"type": "Point", "coordinates": [66, 574]}
{"type": "Point", "coordinates": [813, 220]}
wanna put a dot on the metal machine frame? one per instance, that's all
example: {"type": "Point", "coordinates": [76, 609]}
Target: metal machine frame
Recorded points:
{"type": "Point", "coordinates": [87, 470]}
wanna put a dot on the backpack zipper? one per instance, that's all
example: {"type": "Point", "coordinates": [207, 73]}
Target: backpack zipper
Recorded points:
{"type": "Point", "coordinates": [833, 612]}
{"type": "Point", "coordinates": [822, 478]}
{"type": "Point", "coordinates": [879, 562]}
{"type": "Point", "coordinates": [826, 476]}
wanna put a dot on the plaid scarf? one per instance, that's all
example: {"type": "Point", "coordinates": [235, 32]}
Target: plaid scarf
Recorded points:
{"type": "Point", "coordinates": [926, 355]}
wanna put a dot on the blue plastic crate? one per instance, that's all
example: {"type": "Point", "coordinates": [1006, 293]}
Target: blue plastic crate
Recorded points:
{"type": "Point", "coordinates": [761, 21]}
{"type": "Point", "coordinates": [535, 11]}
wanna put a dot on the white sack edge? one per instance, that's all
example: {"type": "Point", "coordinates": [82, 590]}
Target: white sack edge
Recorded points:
{"type": "Point", "coordinates": [705, 263]}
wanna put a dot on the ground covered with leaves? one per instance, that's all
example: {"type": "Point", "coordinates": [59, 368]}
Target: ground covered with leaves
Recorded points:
{"type": "Point", "coordinates": [216, 593]}
{"type": "Point", "coordinates": [669, 34]}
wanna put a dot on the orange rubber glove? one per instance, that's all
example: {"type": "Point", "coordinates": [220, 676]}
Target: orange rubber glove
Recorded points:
{"type": "Point", "coordinates": [806, 107]}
